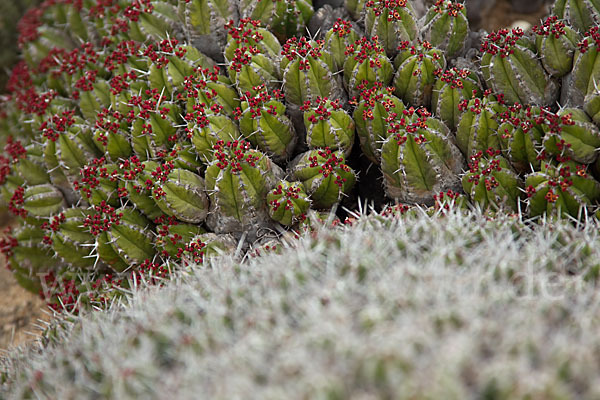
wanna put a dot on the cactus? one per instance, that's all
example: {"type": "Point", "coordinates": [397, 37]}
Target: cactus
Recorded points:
{"type": "Point", "coordinates": [263, 123]}
{"type": "Point", "coordinates": [390, 22]}
{"type": "Point", "coordinates": [446, 27]}
{"type": "Point", "coordinates": [571, 134]}
{"type": "Point", "coordinates": [560, 189]}
{"type": "Point", "coordinates": [511, 66]}
{"type": "Point", "coordinates": [328, 125]}
{"type": "Point", "coordinates": [556, 43]}
{"type": "Point", "coordinates": [521, 134]}
{"type": "Point", "coordinates": [286, 18]}
{"type": "Point", "coordinates": [337, 39]}
{"type": "Point", "coordinates": [419, 158]}
{"type": "Point", "coordinates": [308, 72]}
{"type": "Point", "coordinates": [129, 120]}
{"type": "Point", "coordinates": [237, 181]}
{"type": "Point", "coordinates": [583, 78]}
{"type": "Point", "coordinates": [452, 87]}
{"type": "Point", "coordinates": [418, 68]}
{"type": "Point", "coordinates": [366, 66]}
{"type": "Point", "coordinates": [325, 176]}
{"type": "Point", "coordinates": [478, 126]}
{"type": "Point", "coordinates": [491, 181]}
{"type": "Point", "coordinates": [376, 108]}
{"type": "Point", "coordinates": [288, 203]}
{"type": "Point", "coordinates": [581, 14]}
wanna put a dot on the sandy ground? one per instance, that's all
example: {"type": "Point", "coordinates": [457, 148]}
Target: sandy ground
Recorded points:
{"type": "Point", "coordinates": [21, 311]}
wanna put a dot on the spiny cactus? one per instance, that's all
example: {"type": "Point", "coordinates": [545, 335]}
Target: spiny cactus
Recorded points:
{"type": "Point", "coordinates": [581, 14]}
{"type": "Point", "coordinates": [134, 128]}
{"type": "Point", "coordinates": [390, 22]}
{"type": "Point", "coordinates": [328, 125]}
{"type": "Point", "coordinates": [560, 189]}
{"type": "Point", "coordinates": [324, 174]}
{"type": "Point", "coordinates": [452, 87]}
{"type": "Point", "coordinates": [418, 68]}
{"type": "Point", "coordinates": [508, 306]}
{"type": "Point", "coordinates": [419, 158]}
{"type": "Point", "coordinates": [510, 65]}
{"type": "Point", "coordinates": [446, 27]}
{"type": "Point", "coordinates": [491, 181]}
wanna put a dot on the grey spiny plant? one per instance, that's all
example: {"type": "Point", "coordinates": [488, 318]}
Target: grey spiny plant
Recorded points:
{"type": "Point", "coordinates": [334, 312]}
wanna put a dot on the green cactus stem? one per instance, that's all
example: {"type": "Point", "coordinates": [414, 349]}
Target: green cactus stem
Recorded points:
{"type": "Point", "coordinates": [288, 203]}
{"type": "Point", "coordinates": [418, 68]}
{"type": "Point", "coordinates": [180, 193]}
{"type": "Point", "coordinates": [521, 133]}
{"type": "Point", "coordinates": [325, 176]}
{"type": "Point", "coordinates": [556, 43]}
{"type": "Point", "coordinates": [419, 158]}
{"type": "Point", "coordinates": [131, 238]}
{"type": "Point", "coordinates": [250, 33]}
{"type": "Point", "coordinates": [446, 27]}
{"type": "Point", "coordinates": [337, 40]}
{"type": "Point", "coordinates": [42, 200]}
{"type": "Point", "coordinates": [70, 240]}
{"type": "Point", "coordinates": [571, 134]}
{"type": "Point", "coordinates": [238, 180]}
{"type": "Point", "coordinates": [584, 77]}
{"type": "Point", "coordinates": [328, 125]}
{"type": "Point", "coordinates": [478, 126]}
{"type": "Point", "coordinates": [560, 190]}
{"type": "Point", "coordinates": [263, 122]}
{"type": "Point", "coordinates": [366, 66]}
{"type": "Point", "coordinates": [285, 18]}
{"type": "Point", "coordinates": [491, 181]}
{"type": "Point", "coordinates": [308, 72]}
{"type": "Point", "coordinates": [452, 87]}
{"type": "Point", "coordinates": [510, 66]}
{"type": "Point", "coordinates": [376, 108]}
{"type": "Point", "coordinates": [390, 22]}
{"type": "Point", "coordinates": [581, 14]}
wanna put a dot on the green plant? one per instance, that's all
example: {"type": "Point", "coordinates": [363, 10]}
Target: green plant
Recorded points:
{"type": "Point", "coordinates": [125, 114]}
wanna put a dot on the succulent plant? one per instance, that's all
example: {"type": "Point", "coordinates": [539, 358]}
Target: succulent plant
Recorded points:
{"type": "Point", "coordinates": [325, 176]}
{"type": "Point", "coordinates": [237, 181]}
{"type": "Point", "coordinates": [571, 134]}
{"type": "Point", "coordinates": [521, 135]}
{"type": "Point", "coordinates": [263, 122]}
{"type": "Point", "coordinates": [418, 68]}
{"type": "Point", "coordinates": [135, 133]}
{"type": "Point", "coordinates": [510, 65]}
{"type": "Point", "coordinates": [288, 203]}
{"type": "Point", "coordinates": [366, 66]}
{"type": "Point", "coordinates": [582, 80]}
{"type": "Point", "coordinates": [376, 108]}
{"type": "Point", "coordinates": [561, 189]}
{"type": "Point", "coordinates": [581, 14]}
{"type": "Point", "coordinates": [556, 42]}
{"type": "Point", "coordinates": [390, 22]}
{"type": "Point", "coordinates": [446, 27]}
{"type": "Point", "coordinates": [419, 159]}
{"type": "Point", "coordinates": [478, 126]}
{"type": "Point", "coordinates": [452, 87]}
{"type": "Point", "coordinates": [337, 39]}
{"type": "Point", "coordinates": [308, 72]}
{"type": "Point", "coordinates": [286, 18]}
{"type": "Point", "coordinates": [491, 181]}
{"type": "Point", "coordinates": [328, 125]}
